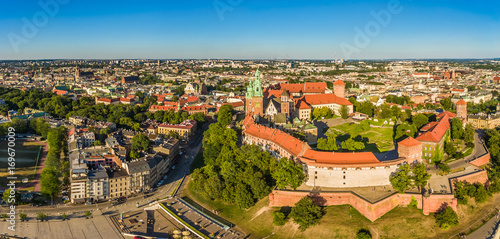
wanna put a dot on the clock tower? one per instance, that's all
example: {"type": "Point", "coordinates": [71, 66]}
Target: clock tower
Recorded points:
{"type": "Point", "coordinates": [255, 97]}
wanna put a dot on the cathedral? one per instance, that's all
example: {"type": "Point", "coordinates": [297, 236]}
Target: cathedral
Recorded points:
{"type": "Point", "coordinates": [282, 103]}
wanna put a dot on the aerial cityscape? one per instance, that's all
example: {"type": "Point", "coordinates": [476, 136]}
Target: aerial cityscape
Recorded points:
{"type": "Point", "coordinates": [249, 119]}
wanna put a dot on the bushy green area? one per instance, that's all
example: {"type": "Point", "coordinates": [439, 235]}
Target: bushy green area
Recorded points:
{"type": "Point", "coordinates": [127, 116]}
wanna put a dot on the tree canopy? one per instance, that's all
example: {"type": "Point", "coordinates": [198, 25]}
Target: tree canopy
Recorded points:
{"type": "Point", "coordinates": [288, 173]}
{"type": "Point", "coordinates": [306, 213]}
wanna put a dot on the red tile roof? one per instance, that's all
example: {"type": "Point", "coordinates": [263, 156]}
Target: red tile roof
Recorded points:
{"type": "Point", "coordinates": [322, 157]}
{"type": "Point", "coordinates": [435, 131]}
{"type": "Point", "coordinates": [302, 105]}
{"type": "Point", "coordinates": [308, 87]}
{"type": "Point", "coordinates": [60, 92]}
{"type": "Point", "coordinates": [339, 82]}
{"type": "Point", "coordinates": [192, 98]}
{"type": "Point", "coordinates": [321, 99]}
{"type": "Point", "coordinates": [409, 142]}
{"type": "Point", "coordinates": [461, 102]}
{"type": "Point", "coordinates": [450, 114]}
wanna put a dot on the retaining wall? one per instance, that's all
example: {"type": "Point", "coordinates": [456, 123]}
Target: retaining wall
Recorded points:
{"type": "Point", "coordinates": [372, 211]}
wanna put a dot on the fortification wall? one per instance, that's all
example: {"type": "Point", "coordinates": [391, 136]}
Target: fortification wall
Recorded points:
{"type": "Point", "coordinates": [372, 211]}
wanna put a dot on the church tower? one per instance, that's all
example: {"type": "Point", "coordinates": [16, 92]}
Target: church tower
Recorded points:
{"type": "Point", "coordinates": [462, 110]}
{"type": "Point", "coordinates": [285, 103]}
{"type": "Point", "coordinates": [339, 88]}
{"type": "Point", "coordinates": [255, 97]}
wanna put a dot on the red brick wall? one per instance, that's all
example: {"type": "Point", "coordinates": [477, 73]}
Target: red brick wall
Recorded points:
{"type": "Point", "coordinates": [481, 160]}
{"type": "Point", "coordinates": [369, 210]}
{"type": "Point", "coordinates": [477, 177]}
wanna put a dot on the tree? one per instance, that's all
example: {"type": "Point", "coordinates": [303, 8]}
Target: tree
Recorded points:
{"type": "Point", "coordinates": [420, 120]}
{"type": "Point", "coordinates": [23, 216]}
{"type": "Point", "coordinates": [326, 112]}
{"type": "Point", "coordinates": [481, 194]}
{"type": "Point", "coordinates": [329, 144]}
{"type": "Point", "coordinates": [134, 154]}
{"type": "Point", "coordinates": [449, 148]}
{"type": "Point", "coordinates": [363, 234]}
{"type": "Point", "coordinates": [140, 142]}
{"type": "Point", "coordinates": [456, 128]}
{"type": "Point", "coordinates": [352, 145]}
{"type": "Point", "coordinates": [468, 134]}
{"type": "Point", "coordinates": [14, 200]}
{"type": "Point", "coordinates": [41, 216]}
{"type": "Point", "coordinates": [87, 214]}
{"type": "Point", "coordinates": [225, 115]}
{"type": "Point", "coordinates": [306, 213]}
{"type": "Point", "coordinates": [446, 103]}
{"type": "Point", "coordinates": [344, 112]}
{"type": "Point", "coordinates": [64, 216]}
{"type": "Point", "coordinates": [401, 180]}
{"type": "Point", "coordinates": [316, 113]}
{"type": "Point", "coordinates": [420, 175]}
{"type": "Point", "coordinates": [385, 111]}
{"type": "Point", "coordinates": [447, 218]}
{"type": "Point", "coordinates": [288, 173]}
{"type": "Point", "coordinates": [366, 107]}
{"type": "Point", "coordinates": [405, 129]}
{"type": "Point", "coordinates": [279, 218]}
{"type": "Point", "coordinates": [51, 185]}
{"type": "Point", "coordinates": [97, 143]}
{"type": "Point", "coordinates": [352, 100]}
{"type": "Point", "coordinates": [243, 196]}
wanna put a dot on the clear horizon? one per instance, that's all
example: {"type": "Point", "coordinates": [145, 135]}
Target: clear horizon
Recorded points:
{"type": "Point", "coordinates": [253, 30]}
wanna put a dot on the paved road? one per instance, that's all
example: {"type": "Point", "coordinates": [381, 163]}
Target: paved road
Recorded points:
{"type": "Point", "coordinates": [487, 230]}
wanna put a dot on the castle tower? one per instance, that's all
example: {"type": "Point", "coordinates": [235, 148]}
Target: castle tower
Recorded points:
{"type": "Point", "coordinates": [339, 88]}
{"type": "Point", "coordinates": [462, 110]}
{"type": "Point", "coordinates": [255, 97]}
{"type": "Point", "coordinates": [411, 149]}
{"type": "Point", "coordinates": [285, 104]}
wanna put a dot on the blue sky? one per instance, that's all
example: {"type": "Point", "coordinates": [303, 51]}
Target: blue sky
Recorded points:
{"type": "Point", "coordinates": [247, 29]}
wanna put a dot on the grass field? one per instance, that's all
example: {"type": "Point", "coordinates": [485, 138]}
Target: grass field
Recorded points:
{"type": "Point", "coordinates": [338, 222]}
{"type": "Point", "coordinates": [376, 139]}
{"type": "Point", "coordinates": [26, 155]}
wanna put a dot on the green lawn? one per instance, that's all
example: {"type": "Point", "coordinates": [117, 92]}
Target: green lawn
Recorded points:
{"type": "Point", "coordinates": [198, 161]}
{"type": "Point", "coordinates": [338, 221]}
{"type": "Point", "coordinates": [25, 155]}
{"type": "Point", "coordinates": [376, 139]}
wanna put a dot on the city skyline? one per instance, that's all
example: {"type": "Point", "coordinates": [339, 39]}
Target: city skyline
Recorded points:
{"type": "Point", "coordinates": [224, 29]}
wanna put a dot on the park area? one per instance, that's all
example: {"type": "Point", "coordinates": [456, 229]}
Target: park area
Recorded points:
{"type": "Point", "coordinates": [376, 139]}
{"type": "Point", "coordinates": [29, 155]}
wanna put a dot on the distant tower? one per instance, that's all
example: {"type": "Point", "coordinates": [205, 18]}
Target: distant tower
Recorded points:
{"type": "Point", "coordinates": [255, 97]}
{"type": "Point", "coordinates": [285, 104]}
{"type": "Point", "coordinates": [339, 88]}
{"type": "Point", "coordinates": [462, 110]}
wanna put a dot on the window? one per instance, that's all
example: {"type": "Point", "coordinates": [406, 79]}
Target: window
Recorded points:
{"type": "Point", "coordinates": [344, 176]}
